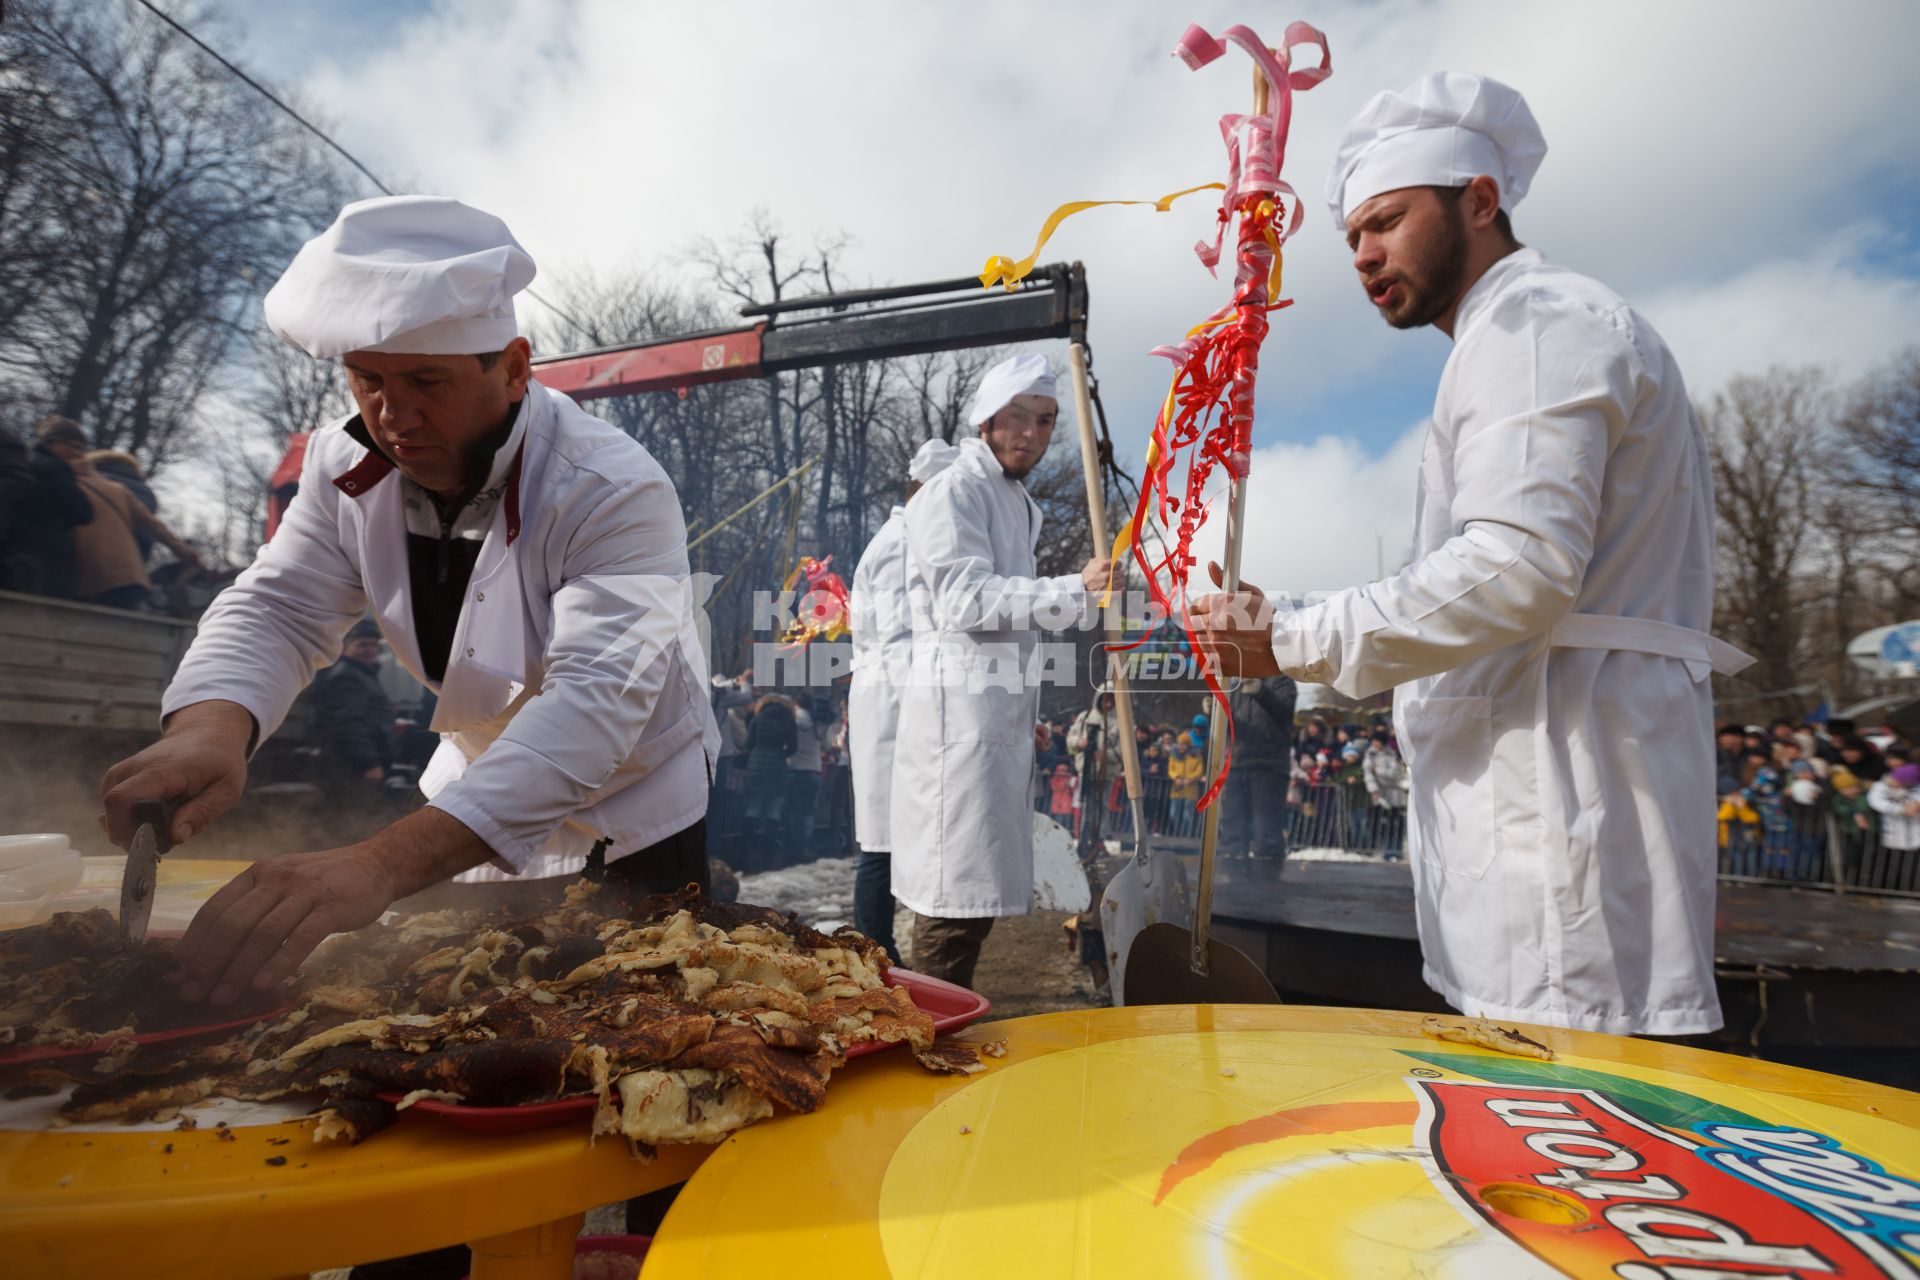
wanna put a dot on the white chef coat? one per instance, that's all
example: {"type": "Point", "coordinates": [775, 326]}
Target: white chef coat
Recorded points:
{"type": "Point", "coordinates": [565, 715]}
{"type": "Point", "coordinates": [1549, 643]}
{"type": "Point", "coordinates": [882, 636]}
{"type": "Point", "coordinates": [962, 809]}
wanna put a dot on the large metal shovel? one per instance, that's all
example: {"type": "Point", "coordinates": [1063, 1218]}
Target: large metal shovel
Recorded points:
{"type": "Point", "coordinates": [1152, 886]}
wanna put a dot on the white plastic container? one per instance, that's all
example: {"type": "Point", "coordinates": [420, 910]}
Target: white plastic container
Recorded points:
{"type": "Point", "coordinates": [17, 851]}
{"type": "Point", "coordinates": [34, 868]}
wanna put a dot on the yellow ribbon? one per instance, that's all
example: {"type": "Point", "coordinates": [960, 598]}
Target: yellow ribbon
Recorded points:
{"type": "Point", "coordinates": [1007, 273]}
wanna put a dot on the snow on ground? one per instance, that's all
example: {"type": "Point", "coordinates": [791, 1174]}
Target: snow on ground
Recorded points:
{"type": "Point", "coordinates": [819, 892]}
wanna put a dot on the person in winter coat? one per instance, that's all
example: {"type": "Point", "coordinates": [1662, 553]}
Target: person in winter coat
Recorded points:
{"type": "Point", "coordinates": [354, 714]}
{"type": "Point", "coordinates": [1853, 818]}
{"type": "Point", "coordinates": [961, 826]}
{"type": "Point", "coordinates": [1185, 772]}
{"type": "Point", "coordinates": [801, 807]}
{"type": "Point", "coordinates": [1350, 776]}
{"type": "Point", "coordinates": [1254, 821]}
{"type": "Point", "coordinates": [16, 495]}
{"type": "Point", "coordinates": [1548, 643]}
{"type": "Point", "coordinates": [1729, 747]}
{"type": "Point", "coordinates": [109, 565]}
{"type": "Point", "coordinates": [772, 737]}
{"type": "Point", "coordinates": [42, 553]}
{"type": "Point", "coordinates": [1386, 775]}
{"type": "Point", "coordinates": [1896, 798]}
{"type": "Point", "coordinates": [124, 469]}
{"type": "Point", "coordinates": [1060, 789]}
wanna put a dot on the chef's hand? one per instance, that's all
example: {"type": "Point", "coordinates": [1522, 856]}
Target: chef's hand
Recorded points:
{"type": "Point", "coordinates": [1235, 631]}
{"type": "Point", "coordinates": [200, 760]}
{"type": "Point", "coordinates": [269, 918]}
{"type": "Point", "coordinates": [1096, 574]}
{"type": "Point", "coordinates": [266, 920]}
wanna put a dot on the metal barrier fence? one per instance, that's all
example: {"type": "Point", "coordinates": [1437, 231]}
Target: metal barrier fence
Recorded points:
{"type": "Point", "coordinates": [1778, 841]}
{"type": "Point", "coordinates": [1326, 817]}
{"type": "Point", "coordinates": [758, 829]}
{"type": "Point", "coordinates": [1779, 846]}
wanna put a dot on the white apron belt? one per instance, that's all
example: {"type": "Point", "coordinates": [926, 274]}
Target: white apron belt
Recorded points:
{"type": "Point", "coordinates": [1702, 653]}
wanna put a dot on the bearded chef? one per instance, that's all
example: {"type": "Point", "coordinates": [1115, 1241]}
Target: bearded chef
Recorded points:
{"type": "Point", "coordinates": [882, 634]}
{"type": "Point", "coordinates": [1548, 644]}
{"type": "Point", "coordinates": [524, 560]}
{"type": "Point", "coordinates": [961, 810]}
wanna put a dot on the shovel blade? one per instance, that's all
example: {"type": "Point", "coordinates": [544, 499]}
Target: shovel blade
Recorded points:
{"type": "Point", "coordinates": [1131, 902]}
{"type": "Point", "coordinates": [1160, 971]}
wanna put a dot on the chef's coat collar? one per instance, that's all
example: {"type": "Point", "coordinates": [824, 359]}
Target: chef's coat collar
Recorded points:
{"type": "Point", "coordinates": [1488, 287]}
{"type": "Point", "coordinates": [502, 471]}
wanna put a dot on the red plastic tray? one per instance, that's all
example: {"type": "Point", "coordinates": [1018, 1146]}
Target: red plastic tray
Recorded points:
{"type": "Point", "coordinates": [26, 1055]}
{"type": "Point", "coordinates": [952, 1007]}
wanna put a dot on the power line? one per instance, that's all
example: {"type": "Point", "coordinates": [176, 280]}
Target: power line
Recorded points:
{"type": "Point", "coordinates": [309, 126]}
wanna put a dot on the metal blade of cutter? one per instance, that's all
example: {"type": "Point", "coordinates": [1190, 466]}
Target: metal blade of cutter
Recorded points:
{"type": "Point", "coordinates": [152, 837]}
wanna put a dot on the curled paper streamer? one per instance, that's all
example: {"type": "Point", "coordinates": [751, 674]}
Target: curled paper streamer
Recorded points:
{"type": "Point", "coordinates": [1207, 416]}
{"type": "Point", "coordinates": [1007, 273]}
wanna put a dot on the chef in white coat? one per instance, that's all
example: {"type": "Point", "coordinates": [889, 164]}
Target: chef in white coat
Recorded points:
{"type": "Point", "coordinates": [882, 634]}
{"type": "Point", "coordinates": [961, 818]}
{"type": "Point", "coordinates": [1548, 644]}
{"type": "Point", "coordinates": [524, 560]}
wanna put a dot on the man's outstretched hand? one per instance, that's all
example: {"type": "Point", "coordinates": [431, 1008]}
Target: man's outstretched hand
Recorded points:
{"type": "Point", "coordinates": [255, 932]}
{"type": "Point", "coordinates": [1235, 631]}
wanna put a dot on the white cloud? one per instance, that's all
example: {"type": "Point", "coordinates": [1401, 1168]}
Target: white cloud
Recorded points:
{"type": "Point", "coordinates": [1826, 306]}
{"type": "Point", "coordinates": [1687, 144]}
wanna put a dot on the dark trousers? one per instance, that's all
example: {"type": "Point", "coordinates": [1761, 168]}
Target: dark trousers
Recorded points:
{"type": "Point", "coordinates": [873, 899]}
{"type": "Point", "coordinates": [1255, 817]}
{"type": "Point", "coordinates": [798, 812]}
{"type": "Point", "coordinates": [949, 948]}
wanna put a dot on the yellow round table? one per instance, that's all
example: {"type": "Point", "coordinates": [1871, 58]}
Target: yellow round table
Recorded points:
{"type": "Point", "coordinates": [195, 1205]}
{"type": "Point", "coordinates": [266, 1200]}
{"type": "Point", "coordinates": [1297, 1142]}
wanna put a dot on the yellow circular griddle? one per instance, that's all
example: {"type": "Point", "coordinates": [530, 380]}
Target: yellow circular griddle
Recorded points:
{"type": "Point", "coordinates": [1303, 1142]}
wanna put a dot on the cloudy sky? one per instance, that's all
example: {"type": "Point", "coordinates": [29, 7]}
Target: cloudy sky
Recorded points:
{"type": "Point", "coordinates": [1742, 172]}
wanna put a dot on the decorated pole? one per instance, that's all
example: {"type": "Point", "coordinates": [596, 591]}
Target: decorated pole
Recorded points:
{"type": "Point", "coordinates": [1122, 689]}
{"type": "Point", "coordinates": [1207, 417]}
{"type": "Point", "coordinates": [1254, 265]}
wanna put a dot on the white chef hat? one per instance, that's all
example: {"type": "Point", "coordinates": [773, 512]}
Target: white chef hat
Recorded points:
{"type": "Point", "coordinates": [1443, 130]}
{"type": "Point", "coordinates": [423, 275]}
{"type": "Point", "coordinates": [931, 459]}
{"type": "Point", "coordinates": [1022, 375]}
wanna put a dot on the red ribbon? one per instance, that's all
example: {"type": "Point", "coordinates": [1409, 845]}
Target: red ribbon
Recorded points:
{"type": "Point", "coordinates": [1208, 416]}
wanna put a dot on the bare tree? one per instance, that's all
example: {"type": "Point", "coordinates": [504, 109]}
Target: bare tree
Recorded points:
{"type": "Point", "coordinates": [1767, 437]}
{"type": "Point", "coordinates": [1879, 445]}
{"type": "Point", "coordinates": [173, 193]}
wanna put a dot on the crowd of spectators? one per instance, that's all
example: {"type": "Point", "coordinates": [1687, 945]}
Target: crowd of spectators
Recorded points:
{"type": "Point", "coordinates": [78, 523]}
{"type": "Point", "coordinates": [1796, 797]}
{"type": "Point", "coordinates": [1318, 782]}
{"type": "Point", "coordinates": [1797, 801]}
